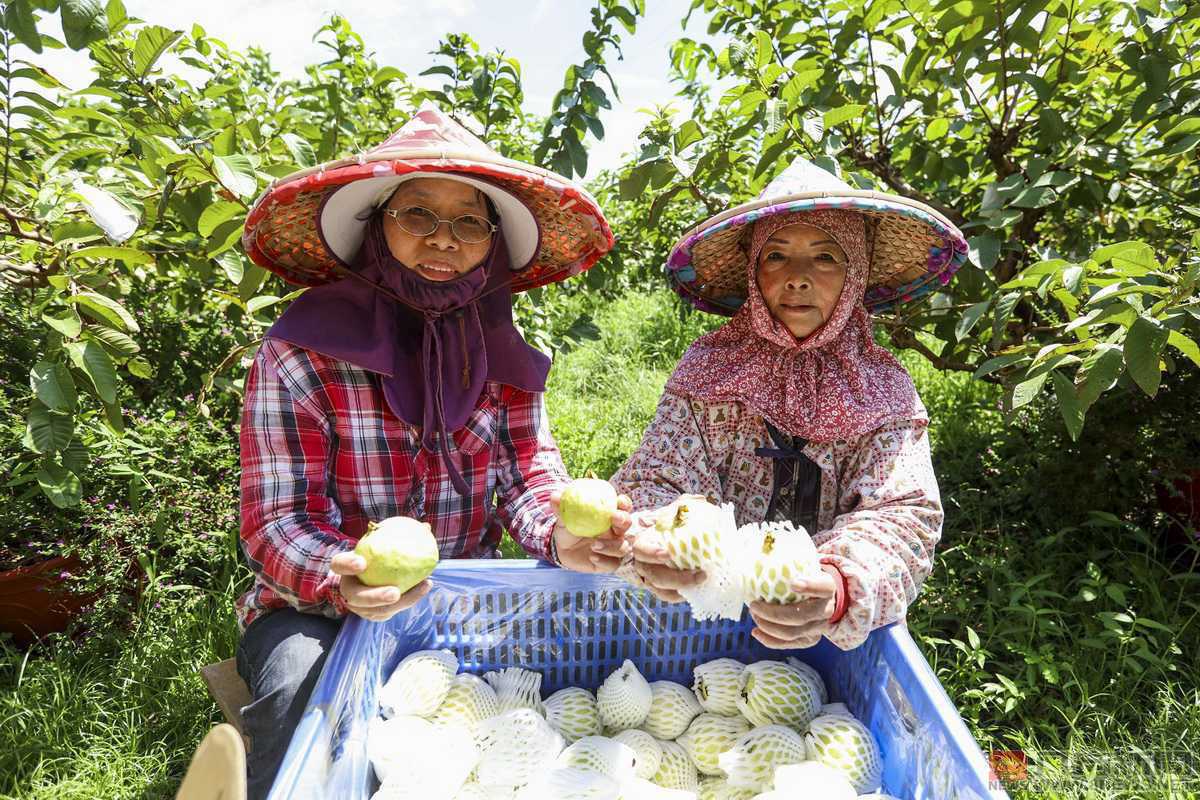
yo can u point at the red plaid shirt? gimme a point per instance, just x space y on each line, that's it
322 455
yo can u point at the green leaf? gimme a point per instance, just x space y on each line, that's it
112 416
232 265
106 309
302 152
985 250
152 42
764 50
83 22
115 341
969 318
1184 345
60 484
1185 127
53 385
252 280
115 14
1068 404
1120 313
1133 257
226 235
67 322
129 255
236 174
798 83
1072 279
837 116
688 133
18 18
140 367
385 74
257 304
215 214
50 431
1143 345
937 128
1004 309
97 365
999 362
1025 391
1097 373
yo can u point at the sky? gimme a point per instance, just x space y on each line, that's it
543 35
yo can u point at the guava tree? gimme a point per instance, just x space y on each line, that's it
1060 135
122 205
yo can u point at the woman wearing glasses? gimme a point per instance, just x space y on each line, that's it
398 385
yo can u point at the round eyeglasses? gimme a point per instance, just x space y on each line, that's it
468 229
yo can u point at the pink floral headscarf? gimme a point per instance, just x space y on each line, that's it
834 384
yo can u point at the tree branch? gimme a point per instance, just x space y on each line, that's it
880 165
15 220
905 339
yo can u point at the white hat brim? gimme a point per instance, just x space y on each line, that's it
342 224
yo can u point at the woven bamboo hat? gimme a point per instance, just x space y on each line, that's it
913 248
308 227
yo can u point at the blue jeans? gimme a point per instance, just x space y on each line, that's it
280 657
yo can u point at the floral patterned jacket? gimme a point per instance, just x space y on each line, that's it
871 503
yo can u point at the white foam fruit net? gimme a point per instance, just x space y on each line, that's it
600 754
646 750
471 791
419 683
716 685
708 736
469 702
571 783
815 779
810 672
517 688
514 747
719 789
411 754
572 712
623 700
700 535
642 789
846 745
676 770
773 557
772 692
751 762
672 708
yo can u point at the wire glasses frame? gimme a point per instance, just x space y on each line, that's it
420 221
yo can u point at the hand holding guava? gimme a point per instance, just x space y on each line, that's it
593 519
386 573
376 603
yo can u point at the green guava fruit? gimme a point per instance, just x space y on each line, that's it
587 506
399 552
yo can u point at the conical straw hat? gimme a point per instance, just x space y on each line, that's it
914 249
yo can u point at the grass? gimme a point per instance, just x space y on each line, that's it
1073 642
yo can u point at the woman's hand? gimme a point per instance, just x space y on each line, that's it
653 565
601 554
376 603
798 625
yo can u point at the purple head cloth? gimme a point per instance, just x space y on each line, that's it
432 344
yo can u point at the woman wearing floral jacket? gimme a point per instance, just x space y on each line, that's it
791 412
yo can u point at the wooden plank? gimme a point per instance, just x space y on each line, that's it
228 689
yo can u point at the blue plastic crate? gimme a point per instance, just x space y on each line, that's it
576 629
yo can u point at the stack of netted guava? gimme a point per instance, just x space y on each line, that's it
758 561
764 730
